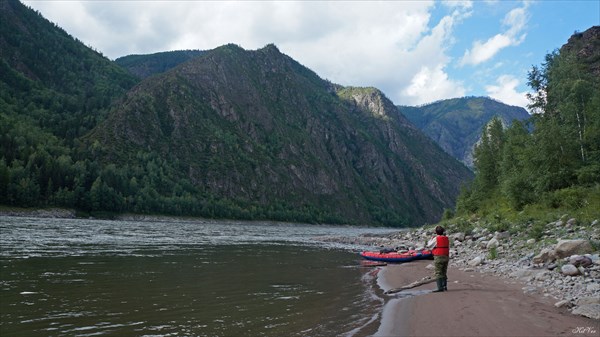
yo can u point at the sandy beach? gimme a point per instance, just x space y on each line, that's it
476 304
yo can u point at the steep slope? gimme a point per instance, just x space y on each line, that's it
53 89
148 65
47 75
260 130
456 124
586 48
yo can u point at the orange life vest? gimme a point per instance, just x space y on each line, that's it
442 246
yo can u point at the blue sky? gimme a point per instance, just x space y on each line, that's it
416 52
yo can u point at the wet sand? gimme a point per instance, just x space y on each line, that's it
475 305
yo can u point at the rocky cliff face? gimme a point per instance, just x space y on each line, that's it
587 48
258 128
456 124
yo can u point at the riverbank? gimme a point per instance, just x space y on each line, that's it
506 283
476 304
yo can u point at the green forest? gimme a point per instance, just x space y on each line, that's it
53 91
550 165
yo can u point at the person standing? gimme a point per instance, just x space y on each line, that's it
441 257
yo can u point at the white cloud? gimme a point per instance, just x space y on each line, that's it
430 85
462 4
392 45
515 22
428 80
505 91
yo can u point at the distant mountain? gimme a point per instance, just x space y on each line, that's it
456 124
151 64
258 128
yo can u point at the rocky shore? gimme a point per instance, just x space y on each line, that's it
561 264
60 213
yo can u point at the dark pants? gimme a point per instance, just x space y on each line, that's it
441 266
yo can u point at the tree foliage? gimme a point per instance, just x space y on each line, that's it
563 150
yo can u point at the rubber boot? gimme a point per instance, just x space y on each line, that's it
445 283
440 286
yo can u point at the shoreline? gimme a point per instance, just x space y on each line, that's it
476 304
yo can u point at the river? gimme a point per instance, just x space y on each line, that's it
73 277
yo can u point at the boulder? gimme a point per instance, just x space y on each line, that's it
563 303
493 243
566 248
589 310
476 261
578 260
588 300
569 269
546 255
502 235
458 237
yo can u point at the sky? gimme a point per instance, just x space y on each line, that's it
416 52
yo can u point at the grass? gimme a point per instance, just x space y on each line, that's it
493 253
495 214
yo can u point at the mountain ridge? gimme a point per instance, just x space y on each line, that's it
145 65
265 97
456 124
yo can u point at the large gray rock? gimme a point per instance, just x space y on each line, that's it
566 248
546 255
458 237
493 243
589 310
502 235
578 260
476 261
588 300
569 269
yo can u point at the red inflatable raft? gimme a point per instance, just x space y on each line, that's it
408 256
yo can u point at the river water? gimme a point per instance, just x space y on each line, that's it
72 277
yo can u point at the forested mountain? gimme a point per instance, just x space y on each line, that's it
456 124
227 134
256 128
148 65
557 165
53 90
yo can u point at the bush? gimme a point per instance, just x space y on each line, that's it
536 231
501 226
448 214
463 226
589 175
570 198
